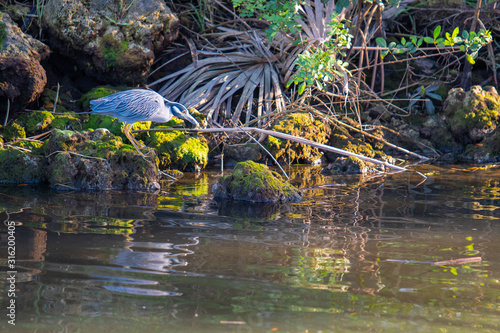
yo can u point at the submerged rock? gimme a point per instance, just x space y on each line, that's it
254 182
23 77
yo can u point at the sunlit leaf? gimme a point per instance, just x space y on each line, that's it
302 87
436 32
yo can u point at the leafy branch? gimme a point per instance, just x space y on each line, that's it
468 42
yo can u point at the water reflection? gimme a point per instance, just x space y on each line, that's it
179 262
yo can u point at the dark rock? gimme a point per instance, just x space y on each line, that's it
255 183
113 41
351 165
22 78
241 152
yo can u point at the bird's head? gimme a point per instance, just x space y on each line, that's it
181 112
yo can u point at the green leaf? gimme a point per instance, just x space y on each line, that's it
429 106
419 42
392 45
448 36
384 53
462 48
458 40
428 40
470 59
289 83
434 96
403 40
465 34
455 33
437 31
302 87
319 85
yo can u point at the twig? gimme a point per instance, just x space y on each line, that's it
282 136
267 151
57 97
7 113
18 148
76 154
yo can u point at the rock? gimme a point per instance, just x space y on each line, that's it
96 160
176 150
474 114
28 167
351 165
303 125
113 41
254 182
241 152
23 77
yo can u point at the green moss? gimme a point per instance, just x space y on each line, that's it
96 93
13 131
3 33
174 149
354 145
251 181
27 168
112 50
482 112
63 122
35 121
302 125
99 121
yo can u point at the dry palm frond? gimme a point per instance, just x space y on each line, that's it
219 80
242 78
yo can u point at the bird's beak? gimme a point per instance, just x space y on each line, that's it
191 119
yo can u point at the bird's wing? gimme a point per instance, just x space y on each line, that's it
129 106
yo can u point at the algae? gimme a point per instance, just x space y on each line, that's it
302 125
175 149
254 182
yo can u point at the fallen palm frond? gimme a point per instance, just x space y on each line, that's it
286 137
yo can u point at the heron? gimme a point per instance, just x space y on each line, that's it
134 105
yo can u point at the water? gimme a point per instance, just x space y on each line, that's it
178 262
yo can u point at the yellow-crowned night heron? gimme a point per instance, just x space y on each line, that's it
135 105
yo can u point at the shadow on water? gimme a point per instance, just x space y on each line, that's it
179 262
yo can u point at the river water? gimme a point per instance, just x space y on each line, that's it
358 254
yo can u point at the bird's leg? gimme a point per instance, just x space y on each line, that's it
126 131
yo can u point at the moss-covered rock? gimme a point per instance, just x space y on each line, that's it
19 166
35 122
302 125
474 113
12 132
176 150
96 160
254 182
